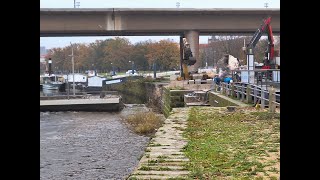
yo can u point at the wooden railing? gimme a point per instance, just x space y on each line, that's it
252 94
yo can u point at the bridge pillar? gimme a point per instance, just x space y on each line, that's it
193 39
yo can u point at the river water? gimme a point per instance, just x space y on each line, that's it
88 145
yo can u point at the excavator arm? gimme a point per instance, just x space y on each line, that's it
264 28
188 58
270 49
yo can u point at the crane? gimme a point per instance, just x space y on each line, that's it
269 54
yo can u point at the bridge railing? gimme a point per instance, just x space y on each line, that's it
249 93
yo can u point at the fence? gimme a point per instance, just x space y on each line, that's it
262 77
249 93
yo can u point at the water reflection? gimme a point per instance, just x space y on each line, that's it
53 92
49 92
126 98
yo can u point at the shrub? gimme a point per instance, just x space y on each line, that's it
144 122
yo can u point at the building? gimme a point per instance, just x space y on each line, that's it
42 58
78 78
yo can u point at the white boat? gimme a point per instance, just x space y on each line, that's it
51 82
52 85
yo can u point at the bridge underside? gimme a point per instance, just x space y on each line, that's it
146 22
145 33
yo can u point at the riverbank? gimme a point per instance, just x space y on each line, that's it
216 144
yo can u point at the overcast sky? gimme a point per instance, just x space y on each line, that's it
50 42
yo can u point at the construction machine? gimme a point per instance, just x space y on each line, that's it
269 53
188 59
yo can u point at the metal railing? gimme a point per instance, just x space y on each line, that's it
249 93
262 77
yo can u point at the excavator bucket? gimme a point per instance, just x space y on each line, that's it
190 61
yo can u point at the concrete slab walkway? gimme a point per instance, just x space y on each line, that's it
164 158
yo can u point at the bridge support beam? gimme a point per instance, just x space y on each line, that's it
193 39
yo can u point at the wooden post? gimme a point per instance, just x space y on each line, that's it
222 88
249 96
255 94
262 99
227 89
272 97
242 93
233 94
238 93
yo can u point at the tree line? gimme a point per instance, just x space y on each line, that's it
116 54
119 54
233 45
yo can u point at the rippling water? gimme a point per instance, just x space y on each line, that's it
88 145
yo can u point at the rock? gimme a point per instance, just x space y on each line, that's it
231 108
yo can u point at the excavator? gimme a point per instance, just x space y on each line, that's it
188 59
269 53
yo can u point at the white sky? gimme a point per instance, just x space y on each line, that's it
50 42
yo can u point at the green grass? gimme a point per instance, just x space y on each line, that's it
159 79
273 169
132 178
177 88
152 161
224 145
164 169
148 150
154 145
162 157
145 168
266 115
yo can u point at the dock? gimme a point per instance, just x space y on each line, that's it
108 105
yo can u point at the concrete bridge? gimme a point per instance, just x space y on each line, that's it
189 23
